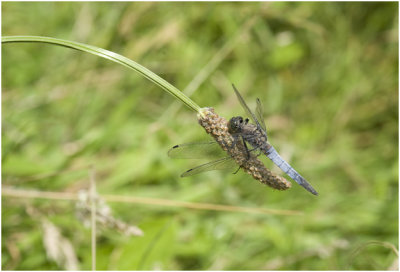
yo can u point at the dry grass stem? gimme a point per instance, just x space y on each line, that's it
93 195
12 192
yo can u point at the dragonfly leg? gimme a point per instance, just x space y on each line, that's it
258 153
245 147
237 170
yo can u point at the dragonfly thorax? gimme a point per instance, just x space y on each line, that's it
235 124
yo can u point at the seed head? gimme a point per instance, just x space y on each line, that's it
217 127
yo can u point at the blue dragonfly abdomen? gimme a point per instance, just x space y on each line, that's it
274 156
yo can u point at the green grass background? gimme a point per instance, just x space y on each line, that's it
327 74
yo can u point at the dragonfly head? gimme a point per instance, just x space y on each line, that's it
236 124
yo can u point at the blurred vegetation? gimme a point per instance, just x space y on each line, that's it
327 74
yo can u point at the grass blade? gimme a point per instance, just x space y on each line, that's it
113 57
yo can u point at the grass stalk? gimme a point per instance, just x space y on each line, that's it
7 191
169 88
93 215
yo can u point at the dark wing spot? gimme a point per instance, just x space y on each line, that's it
186 173
175 146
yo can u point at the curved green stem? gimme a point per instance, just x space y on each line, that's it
113 57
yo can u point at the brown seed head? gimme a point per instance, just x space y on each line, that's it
217 127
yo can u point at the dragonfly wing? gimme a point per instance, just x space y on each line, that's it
285 167
246 108
224 163
196 150
260 115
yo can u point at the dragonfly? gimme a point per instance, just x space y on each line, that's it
253 134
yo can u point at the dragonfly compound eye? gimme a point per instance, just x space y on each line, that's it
235 124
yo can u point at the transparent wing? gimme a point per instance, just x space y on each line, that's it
224 163
196 150
260 114
246 108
